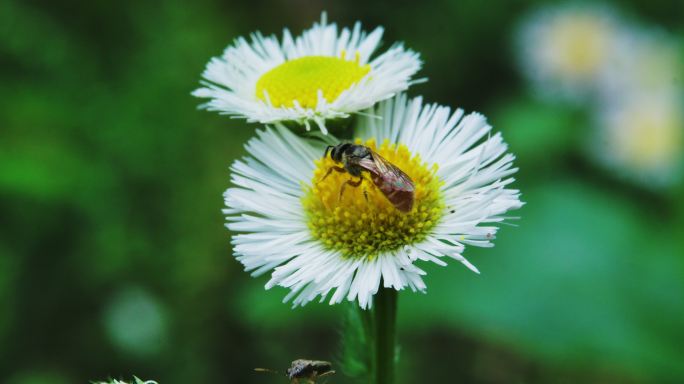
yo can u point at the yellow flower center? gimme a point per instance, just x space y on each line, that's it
301 79
362 228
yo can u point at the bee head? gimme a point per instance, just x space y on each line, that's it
290 373
337 151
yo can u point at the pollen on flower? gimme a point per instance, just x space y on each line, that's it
362 228
301 79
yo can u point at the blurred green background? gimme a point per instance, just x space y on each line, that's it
113 256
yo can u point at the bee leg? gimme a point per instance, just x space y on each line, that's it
338 169
351 183
324 374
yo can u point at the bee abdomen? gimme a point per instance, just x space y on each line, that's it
401 199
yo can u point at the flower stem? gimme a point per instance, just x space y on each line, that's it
384 324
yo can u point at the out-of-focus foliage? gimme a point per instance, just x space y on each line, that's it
113 255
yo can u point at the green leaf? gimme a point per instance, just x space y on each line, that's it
355 358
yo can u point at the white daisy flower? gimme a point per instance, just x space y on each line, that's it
292 221
565 50
321 75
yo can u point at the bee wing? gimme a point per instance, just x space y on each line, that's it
379 166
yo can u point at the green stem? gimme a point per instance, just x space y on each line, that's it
384 324
366 317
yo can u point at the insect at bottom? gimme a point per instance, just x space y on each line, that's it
305 371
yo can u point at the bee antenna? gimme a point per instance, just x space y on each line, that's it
266 370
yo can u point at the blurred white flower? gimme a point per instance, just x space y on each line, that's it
646 62
642 137
630 76
322 74
292 220
640 111
565 49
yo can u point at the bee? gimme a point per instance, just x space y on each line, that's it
307 370
396 185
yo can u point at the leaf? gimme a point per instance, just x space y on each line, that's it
355 355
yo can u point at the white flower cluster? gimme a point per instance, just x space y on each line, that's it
629 75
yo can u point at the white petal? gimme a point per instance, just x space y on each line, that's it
230 80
